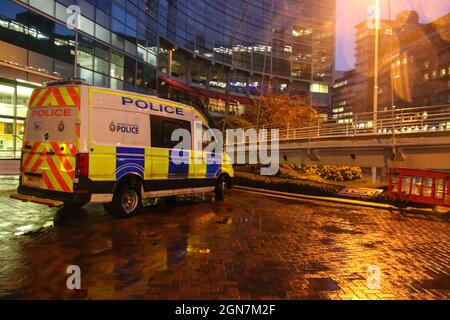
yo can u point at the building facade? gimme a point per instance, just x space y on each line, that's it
414 65
222 51
342 96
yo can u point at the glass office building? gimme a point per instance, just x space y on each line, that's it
222 51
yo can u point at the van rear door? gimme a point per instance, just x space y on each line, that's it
51 139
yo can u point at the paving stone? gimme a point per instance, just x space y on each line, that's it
247 247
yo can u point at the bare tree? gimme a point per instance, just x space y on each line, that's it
274 109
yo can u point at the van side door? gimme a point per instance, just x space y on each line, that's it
212 158
170 157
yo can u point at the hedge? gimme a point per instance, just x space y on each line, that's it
286 185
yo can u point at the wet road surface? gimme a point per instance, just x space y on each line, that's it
247 247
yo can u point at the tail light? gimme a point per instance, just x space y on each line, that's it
82 165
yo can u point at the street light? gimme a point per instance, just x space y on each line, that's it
171 50
375 71
375 79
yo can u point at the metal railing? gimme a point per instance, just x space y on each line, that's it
10 146
396 122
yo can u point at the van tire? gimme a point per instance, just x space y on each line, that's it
221 188
127 201
108 207
70 206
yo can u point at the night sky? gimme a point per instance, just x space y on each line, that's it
351 12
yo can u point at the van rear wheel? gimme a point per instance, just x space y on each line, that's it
71 206
127 201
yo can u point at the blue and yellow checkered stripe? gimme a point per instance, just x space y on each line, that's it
129 160
112 163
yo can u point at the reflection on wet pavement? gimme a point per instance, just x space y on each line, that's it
243 248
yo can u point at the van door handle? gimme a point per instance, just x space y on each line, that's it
51 153
27 147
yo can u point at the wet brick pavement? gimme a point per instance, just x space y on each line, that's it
247 247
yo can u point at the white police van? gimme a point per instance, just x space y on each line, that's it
87 144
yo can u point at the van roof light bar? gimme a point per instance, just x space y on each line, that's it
67 81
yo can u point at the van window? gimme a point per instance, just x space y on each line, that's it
162 129
204 142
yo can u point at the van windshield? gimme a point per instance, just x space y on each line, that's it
53 124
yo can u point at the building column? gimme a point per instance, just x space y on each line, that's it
374 174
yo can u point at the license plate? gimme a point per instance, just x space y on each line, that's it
33 181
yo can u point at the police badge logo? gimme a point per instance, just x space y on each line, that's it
61 126
112 126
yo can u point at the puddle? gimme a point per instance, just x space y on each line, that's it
323 284
439 282
37 232
327 241
337 230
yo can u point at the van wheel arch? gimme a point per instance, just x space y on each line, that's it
129 179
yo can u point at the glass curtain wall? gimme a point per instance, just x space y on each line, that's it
14 98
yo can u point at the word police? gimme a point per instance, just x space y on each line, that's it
123 128
142 104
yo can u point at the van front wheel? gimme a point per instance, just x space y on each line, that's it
221 188
127 201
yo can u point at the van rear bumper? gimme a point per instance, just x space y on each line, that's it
55 195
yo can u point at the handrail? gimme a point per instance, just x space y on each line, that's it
396 122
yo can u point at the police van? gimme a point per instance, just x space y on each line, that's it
87 144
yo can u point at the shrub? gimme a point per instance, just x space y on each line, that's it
286 184
340 173
311 172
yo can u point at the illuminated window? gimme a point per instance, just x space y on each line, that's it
87 25
45 6
117 64
217 105
102 33
7 100
85 59
23 97
319 88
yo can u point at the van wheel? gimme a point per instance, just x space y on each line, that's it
171 200
221 188
127 201
70 206
108 207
